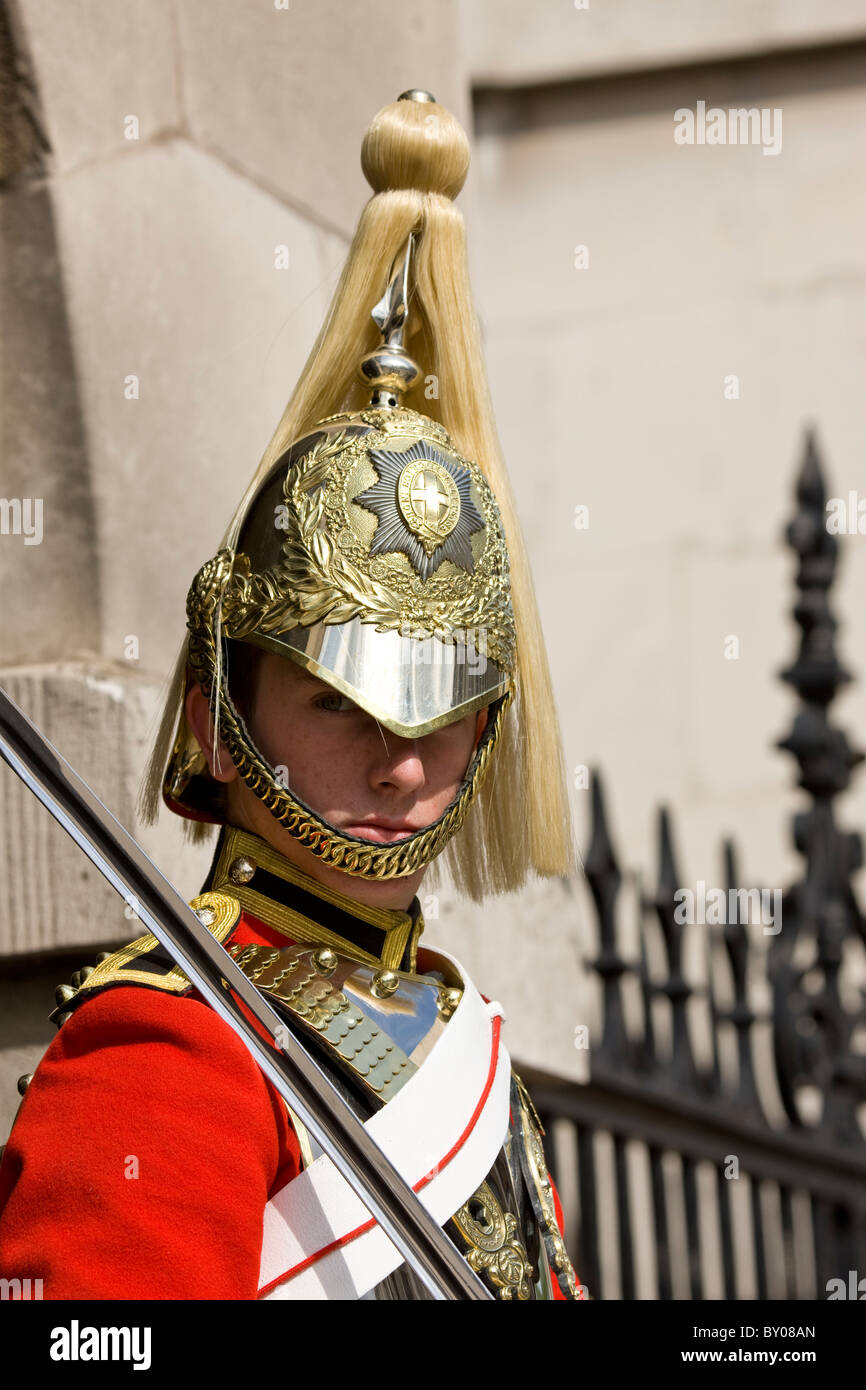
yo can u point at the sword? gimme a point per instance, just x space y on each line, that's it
292 1071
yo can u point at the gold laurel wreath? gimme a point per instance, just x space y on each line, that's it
320 581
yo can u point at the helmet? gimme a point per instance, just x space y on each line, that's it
371 549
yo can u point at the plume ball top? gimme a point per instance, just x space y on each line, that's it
415 144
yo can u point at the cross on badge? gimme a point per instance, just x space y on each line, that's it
427 491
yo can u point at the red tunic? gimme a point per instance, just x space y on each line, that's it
146 1148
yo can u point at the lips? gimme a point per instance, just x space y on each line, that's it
381 831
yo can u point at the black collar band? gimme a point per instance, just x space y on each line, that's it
272 888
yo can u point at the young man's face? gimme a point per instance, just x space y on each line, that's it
353 772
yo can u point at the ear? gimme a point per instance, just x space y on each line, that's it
480 725
199 719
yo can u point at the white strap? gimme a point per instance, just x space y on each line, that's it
417 1129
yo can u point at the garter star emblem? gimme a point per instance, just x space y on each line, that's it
424 507
429 501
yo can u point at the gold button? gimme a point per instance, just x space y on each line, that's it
447 1001
242 869
385 983
325 960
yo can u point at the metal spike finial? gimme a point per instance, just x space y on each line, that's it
813 1032
735 937
676 987
388 368
391 312
648 1054
604 878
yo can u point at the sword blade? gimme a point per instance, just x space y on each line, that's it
292 1071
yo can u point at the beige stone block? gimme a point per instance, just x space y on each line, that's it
97 717
670 227
96 64
170 260
512 42
614 662
629 424
285 94
48 569
734 639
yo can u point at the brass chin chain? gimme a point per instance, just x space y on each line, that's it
352 855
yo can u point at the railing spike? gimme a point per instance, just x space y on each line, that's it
604 878
738 947
676 987
822 907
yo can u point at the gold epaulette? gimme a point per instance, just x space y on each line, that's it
144 961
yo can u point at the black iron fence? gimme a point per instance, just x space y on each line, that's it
742 1172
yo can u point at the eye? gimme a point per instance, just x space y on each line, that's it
334 702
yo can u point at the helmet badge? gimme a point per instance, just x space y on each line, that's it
424 507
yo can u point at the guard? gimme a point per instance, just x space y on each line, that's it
363 688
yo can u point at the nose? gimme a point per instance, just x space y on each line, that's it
399 764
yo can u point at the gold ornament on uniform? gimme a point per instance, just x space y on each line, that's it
242 870
531 1131
385 983
325 960
494 1249
447 1000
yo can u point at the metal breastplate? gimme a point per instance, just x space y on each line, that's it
370 1031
